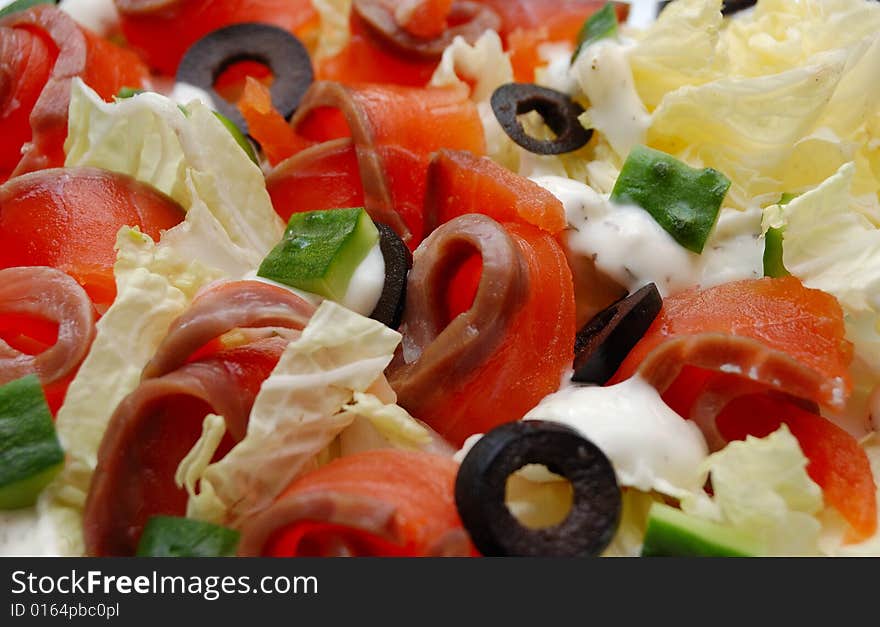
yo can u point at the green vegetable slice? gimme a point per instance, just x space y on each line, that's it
320 251
30 454
683 200
671 532
21 5
173 536
773 264
237 135
601 24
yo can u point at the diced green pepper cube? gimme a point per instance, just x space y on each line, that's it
173 536
321 250
683 200
21 5
671 532
30 454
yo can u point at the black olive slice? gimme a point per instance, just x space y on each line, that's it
559 111
274 47
728 7
482 480
398 261
604 342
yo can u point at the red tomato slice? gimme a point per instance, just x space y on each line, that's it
836 461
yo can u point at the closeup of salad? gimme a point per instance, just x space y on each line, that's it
439 278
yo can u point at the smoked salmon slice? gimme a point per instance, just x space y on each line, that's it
394 132
773 332
461 182
494 362
68 50
154 428
377 503
68 218
163 31
529 24
836 461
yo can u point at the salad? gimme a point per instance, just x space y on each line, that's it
439 278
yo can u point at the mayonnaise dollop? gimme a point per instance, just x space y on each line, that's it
628 245
650 446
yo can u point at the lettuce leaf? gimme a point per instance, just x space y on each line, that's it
484 66
831 244
761 486
630 536
676 50
154 286
192 158
299 411
334 31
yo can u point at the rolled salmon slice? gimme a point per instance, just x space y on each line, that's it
774 332
377 503
68 218
70 50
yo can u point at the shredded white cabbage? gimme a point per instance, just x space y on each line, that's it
193 158
312 395
761 486
154 286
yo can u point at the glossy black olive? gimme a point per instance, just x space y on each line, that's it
728 7
559 111
482 480
274 47
398 262
604 342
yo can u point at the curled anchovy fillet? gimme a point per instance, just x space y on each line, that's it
49 115
127 476
760 368
360 512
240 304
377 191
145 7
52 295
434 351
471 20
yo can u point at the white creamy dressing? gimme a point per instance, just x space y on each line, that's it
363 292
632 248
650 446
603 74
100 16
